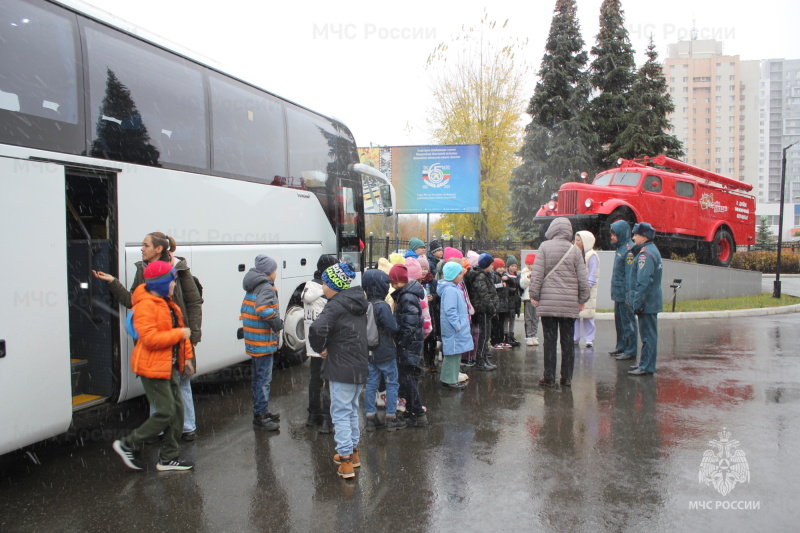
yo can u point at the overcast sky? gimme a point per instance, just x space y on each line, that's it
364 62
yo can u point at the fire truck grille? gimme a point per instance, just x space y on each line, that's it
568 203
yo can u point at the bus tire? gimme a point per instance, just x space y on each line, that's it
293 350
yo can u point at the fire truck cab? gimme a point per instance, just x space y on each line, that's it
693 210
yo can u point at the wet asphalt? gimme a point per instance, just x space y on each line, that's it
612 453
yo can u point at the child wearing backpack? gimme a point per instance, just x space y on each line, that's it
382 360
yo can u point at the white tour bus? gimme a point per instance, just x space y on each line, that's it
108 134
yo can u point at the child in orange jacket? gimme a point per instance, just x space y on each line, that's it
158 358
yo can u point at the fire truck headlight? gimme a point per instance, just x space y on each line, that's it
551 205
588 203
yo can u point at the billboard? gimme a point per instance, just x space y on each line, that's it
431 178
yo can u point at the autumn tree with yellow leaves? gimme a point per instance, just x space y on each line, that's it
478 82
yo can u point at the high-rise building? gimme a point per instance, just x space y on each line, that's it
779 126
716 100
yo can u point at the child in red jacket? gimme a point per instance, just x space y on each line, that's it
158 358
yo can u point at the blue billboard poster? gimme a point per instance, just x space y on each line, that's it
437 179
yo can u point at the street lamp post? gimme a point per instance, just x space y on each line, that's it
776 289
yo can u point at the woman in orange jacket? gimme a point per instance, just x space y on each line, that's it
162 349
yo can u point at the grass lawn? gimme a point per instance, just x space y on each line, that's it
727 304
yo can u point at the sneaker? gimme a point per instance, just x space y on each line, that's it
535 341
462 377
129 455
165 465
380 399
395 423
529 341
275 417
498 346
470 363
265 422
373 423
353 458
590 345
188 436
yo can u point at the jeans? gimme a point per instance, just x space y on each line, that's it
165 396
262 378
387 370
409 389
484 322
344 412
189 420
319 396
552 326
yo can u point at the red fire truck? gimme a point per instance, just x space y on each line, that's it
693 210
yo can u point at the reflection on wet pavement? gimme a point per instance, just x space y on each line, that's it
612 453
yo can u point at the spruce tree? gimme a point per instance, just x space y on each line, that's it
612 74
647 132
558 142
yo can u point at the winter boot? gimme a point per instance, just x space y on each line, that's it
354 458
345 466
265 422
373 423
512 341
326 426
393 423
314 419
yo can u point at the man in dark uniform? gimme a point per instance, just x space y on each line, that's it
624 319
646 301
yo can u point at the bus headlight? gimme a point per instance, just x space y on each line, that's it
551 205
588 203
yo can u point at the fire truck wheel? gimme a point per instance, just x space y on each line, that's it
722 248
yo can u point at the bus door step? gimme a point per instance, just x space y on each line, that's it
82 401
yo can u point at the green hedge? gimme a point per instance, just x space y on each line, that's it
767 262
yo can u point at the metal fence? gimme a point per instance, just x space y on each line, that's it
377 247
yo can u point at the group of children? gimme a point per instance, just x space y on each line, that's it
420 303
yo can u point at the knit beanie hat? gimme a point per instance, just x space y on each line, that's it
530 258
435 246
415 243
423 262
157 277
397 259
413 268
399 273
265 264
450 253
451 270
472 258
339 276
485 260
325 261
511 260
498 263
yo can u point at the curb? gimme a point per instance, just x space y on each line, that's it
763 311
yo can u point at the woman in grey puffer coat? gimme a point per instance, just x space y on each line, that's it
558 290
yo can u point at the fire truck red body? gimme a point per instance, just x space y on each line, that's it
693 210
